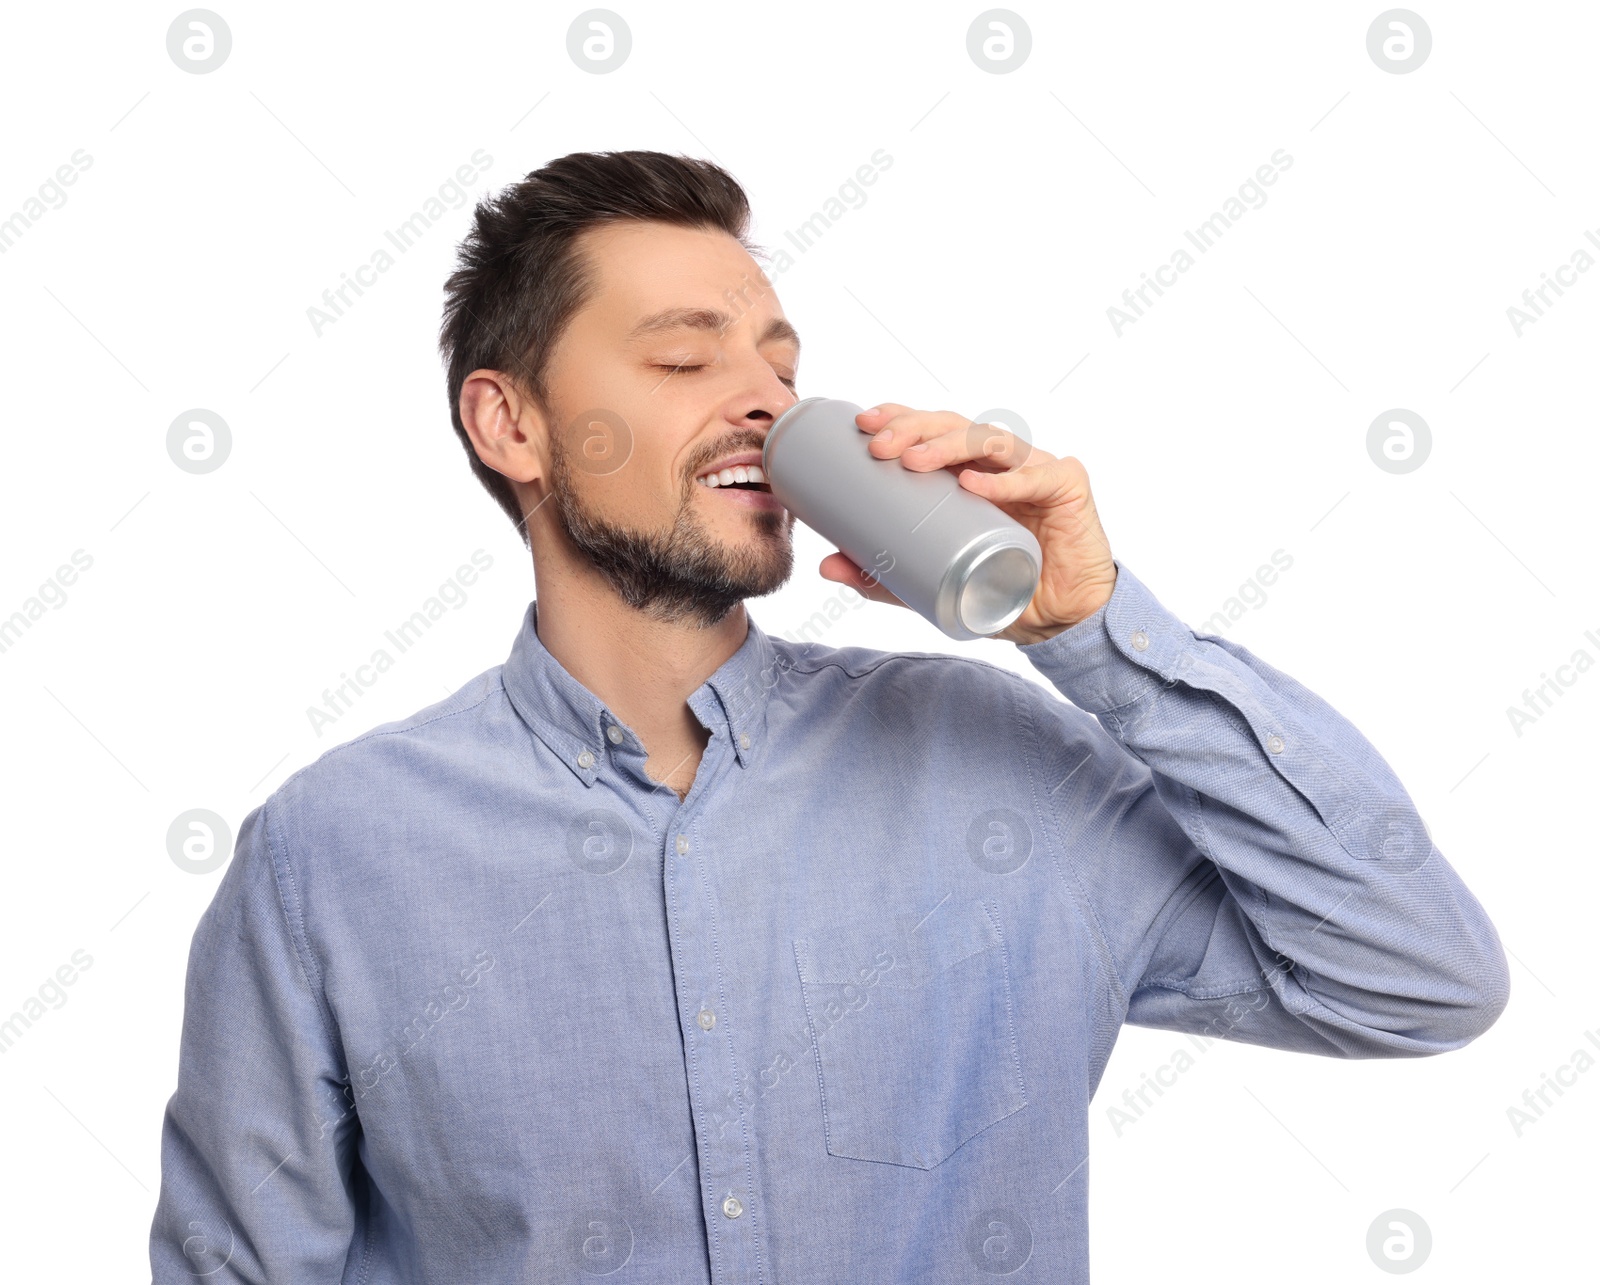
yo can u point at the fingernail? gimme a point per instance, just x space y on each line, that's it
883 435
920 446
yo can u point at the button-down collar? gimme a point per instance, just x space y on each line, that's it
573 721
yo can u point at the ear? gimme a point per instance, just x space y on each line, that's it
507 429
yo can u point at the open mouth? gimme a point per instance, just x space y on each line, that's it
741 477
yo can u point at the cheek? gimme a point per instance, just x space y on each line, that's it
600 444
640 489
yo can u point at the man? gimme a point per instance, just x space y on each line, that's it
675 950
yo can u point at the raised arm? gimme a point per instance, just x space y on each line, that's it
1255 868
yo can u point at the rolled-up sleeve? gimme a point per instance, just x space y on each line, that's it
259 1180
1253 867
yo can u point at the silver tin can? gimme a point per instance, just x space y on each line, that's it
953 557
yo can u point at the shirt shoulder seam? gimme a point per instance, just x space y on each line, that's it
404 729
876 662
289 906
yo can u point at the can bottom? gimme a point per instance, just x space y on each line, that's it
997 589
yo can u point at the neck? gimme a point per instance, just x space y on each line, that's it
643 668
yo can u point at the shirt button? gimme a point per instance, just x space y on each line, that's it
614 734
683 844
586 759
707 1019
744 740
1275 743
732 1207
1140 640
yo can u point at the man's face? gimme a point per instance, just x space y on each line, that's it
681 358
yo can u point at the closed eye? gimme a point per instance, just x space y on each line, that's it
673 369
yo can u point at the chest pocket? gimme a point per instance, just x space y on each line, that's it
913 1032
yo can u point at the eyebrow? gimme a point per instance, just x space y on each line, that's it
713 319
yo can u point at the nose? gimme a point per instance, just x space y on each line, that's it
766 410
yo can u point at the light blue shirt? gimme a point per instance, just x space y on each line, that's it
478 1001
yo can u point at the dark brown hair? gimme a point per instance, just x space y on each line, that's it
520 277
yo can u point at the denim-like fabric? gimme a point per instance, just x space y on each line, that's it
477 1001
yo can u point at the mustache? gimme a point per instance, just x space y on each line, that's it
732 446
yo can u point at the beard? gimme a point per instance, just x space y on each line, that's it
683 573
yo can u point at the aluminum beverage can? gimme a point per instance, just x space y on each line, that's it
953 557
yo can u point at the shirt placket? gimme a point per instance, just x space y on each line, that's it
735 1220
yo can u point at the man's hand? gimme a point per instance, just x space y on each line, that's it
1047 495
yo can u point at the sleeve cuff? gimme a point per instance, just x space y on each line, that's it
1129 649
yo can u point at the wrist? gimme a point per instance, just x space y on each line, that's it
1090 608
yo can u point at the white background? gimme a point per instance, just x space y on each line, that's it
1228 422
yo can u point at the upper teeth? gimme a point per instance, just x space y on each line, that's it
738 473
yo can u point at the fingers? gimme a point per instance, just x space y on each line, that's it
927 440
1045 484
882 409
899 426
839 567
